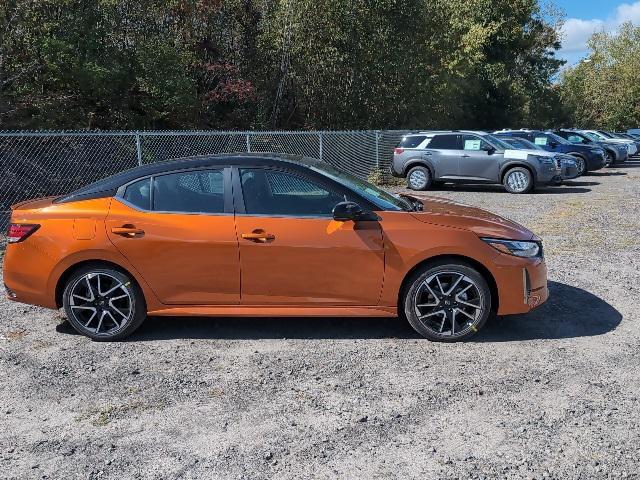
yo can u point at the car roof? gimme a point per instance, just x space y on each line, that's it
429 133
111 184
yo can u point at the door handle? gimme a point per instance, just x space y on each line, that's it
259 236
466 156
128 231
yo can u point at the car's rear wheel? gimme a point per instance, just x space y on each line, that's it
518 180
419 178
103 304
581 165
447 301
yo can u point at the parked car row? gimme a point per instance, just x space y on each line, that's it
518 159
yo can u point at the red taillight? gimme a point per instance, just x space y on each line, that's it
398 150
17 232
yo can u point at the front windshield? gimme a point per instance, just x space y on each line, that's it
605 134
527 145
497 142
558 138
375 195
592 136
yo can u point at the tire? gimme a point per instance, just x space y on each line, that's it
609 158
581 164
419 178
103 304
518 180
452 317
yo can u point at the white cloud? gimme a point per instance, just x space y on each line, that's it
576 31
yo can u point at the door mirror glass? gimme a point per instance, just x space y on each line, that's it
346 211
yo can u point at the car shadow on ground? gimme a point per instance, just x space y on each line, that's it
601 173
570 312
568 187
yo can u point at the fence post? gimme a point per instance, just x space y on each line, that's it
248 144
377 134
320 144
138 148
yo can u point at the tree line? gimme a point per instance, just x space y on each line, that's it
281 64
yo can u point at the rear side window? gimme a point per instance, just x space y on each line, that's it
411 141
189 192
448 142
138 194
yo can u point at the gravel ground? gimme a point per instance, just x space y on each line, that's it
552 394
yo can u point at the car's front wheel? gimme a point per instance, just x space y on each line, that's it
103 304
581 164
447 301
609 158
419 178
518 180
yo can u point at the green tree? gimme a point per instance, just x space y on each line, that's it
602 91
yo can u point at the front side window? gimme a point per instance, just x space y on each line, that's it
475 143
541 140
199 191
273 192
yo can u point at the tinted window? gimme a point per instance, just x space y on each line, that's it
139 194
192 192
272 192
412 141
449 142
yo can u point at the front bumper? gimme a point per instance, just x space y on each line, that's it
522 283
569 171
596 162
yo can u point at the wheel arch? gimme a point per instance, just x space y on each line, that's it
418 162
510 165
62 280
471 262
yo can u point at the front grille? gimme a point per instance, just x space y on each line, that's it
558 162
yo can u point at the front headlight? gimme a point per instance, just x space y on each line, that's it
544 160
518 248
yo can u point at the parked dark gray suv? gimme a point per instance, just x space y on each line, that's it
471 157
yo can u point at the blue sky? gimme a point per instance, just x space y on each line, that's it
585 17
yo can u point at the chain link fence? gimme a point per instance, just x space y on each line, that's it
38 164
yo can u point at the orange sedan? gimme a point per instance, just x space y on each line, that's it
266 235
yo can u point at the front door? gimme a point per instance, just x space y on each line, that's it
292 252
476 162
178 231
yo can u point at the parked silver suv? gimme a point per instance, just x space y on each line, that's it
471 157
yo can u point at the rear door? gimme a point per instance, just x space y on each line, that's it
178 230
443 152
292 252
476 162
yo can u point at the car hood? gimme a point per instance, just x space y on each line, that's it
522 154
440 211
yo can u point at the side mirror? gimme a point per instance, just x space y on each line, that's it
489 149
346 211
553 144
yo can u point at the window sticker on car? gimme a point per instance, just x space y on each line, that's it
472 144
540 140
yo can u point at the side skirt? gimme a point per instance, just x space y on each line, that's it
274 311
